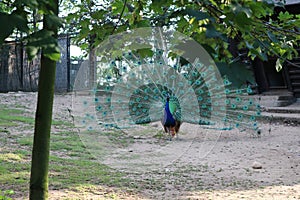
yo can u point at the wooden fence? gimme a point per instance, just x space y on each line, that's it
19 74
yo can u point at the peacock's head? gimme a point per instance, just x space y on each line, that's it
168 97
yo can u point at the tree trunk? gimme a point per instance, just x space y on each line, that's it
92 68
43 119
41 143
92 62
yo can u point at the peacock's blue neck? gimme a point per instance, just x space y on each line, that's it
169 117
167 108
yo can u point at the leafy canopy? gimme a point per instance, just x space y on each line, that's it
253 26
213 23
22 19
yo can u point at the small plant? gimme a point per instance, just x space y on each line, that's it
4 195
159 135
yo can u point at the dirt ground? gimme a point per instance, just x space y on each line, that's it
201 163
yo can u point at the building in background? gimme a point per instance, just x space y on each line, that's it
285 85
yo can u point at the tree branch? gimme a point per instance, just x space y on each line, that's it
277 55
120 17
286 31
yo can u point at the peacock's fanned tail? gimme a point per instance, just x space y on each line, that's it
131 90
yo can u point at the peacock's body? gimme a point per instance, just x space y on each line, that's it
169 120
162 76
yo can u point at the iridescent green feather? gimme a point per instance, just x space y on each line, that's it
131 90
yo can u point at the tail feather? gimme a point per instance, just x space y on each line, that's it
136 94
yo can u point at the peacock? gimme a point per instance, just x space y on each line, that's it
152 75
170 122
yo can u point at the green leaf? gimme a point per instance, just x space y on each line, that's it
211 32
23 3
209 49
9 192
272 37
53 21
278 65
47 7
40 38
263 56
284 16
117 7
99 14
53 56
158 6
11 21
52 51
145 52
199 15
29 3
238 8
6 27
243 21
143 23
44 40
236 72
248 45
20 20
32 52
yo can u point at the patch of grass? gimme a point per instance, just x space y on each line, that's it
3 130
117 138
9 111
19 106
4 135
69 144
14 171
64 173
27 140
70 173
71 167
16 178
65 144
9 117
67 171
3 169
7 123
5 194
61 122
23 119
160 135
10 157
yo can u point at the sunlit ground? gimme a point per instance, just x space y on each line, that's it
224 173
